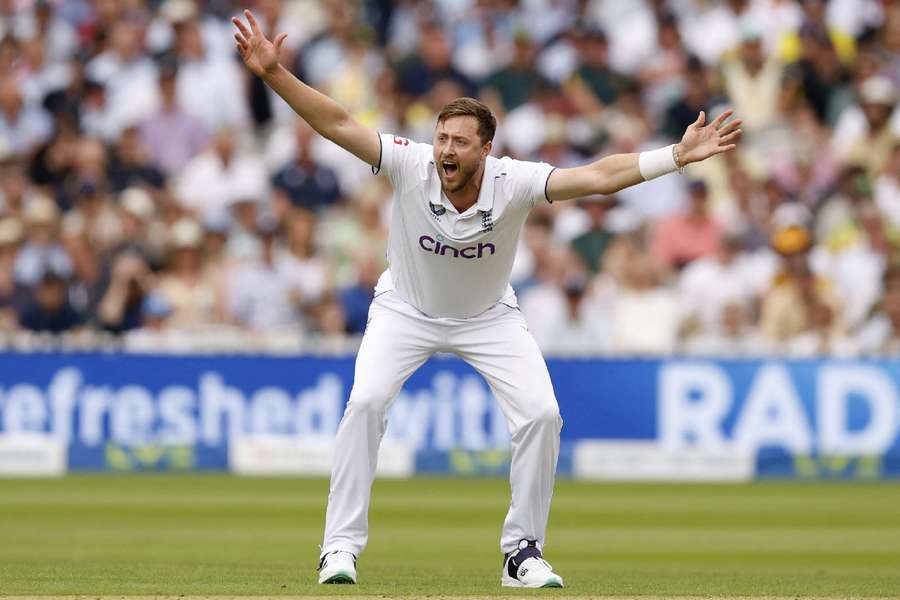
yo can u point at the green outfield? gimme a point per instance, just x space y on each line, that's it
218 535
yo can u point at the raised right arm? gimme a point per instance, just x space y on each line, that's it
323 114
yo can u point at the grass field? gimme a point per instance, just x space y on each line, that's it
218 535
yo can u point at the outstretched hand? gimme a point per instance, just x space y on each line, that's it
259 54
701 142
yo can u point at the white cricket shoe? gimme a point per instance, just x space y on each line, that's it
525 567
337 567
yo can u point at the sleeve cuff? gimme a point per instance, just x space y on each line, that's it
377 169
546 183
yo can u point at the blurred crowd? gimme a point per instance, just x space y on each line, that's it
154 195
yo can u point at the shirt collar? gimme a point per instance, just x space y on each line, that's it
485 201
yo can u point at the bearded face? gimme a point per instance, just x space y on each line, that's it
458 151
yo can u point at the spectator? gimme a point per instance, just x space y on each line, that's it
243 239
322 55
65 98
96 115
155 312
746 210
881 333
662 75
93 214
788 304
418 72
516 82
47 307
136 212
356 231
594 85
156 333
131 165
10 291
207 83
89 231
23 127
537 240
729 277
42 75
110 157
645 313
86 171
813 21
865 135
46 24
352 83
855 246
585 327
822 336
632 30
260 297
485 43
120 308
302 267
41 245
711 33
546 301
172 136
212 20
836 224
681 238
331 322
185 285
221 174
590 245
14 185
753 83
822 78
697 96
735 335
627 121
355 299
306 183
274 17
526 128
805 167
127 75
887 189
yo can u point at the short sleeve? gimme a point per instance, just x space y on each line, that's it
529 181
401 159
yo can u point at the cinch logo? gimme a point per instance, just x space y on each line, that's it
429 244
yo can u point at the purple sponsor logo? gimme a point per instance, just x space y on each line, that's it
435 246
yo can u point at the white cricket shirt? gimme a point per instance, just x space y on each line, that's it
448 264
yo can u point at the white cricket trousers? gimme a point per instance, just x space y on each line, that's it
497 344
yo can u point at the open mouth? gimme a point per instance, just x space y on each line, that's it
450 168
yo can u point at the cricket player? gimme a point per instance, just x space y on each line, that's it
456 219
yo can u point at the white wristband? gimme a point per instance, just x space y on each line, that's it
654 163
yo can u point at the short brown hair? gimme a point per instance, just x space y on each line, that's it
470 107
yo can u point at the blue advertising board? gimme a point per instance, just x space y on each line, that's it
132 412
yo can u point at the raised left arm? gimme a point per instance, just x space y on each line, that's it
618 171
